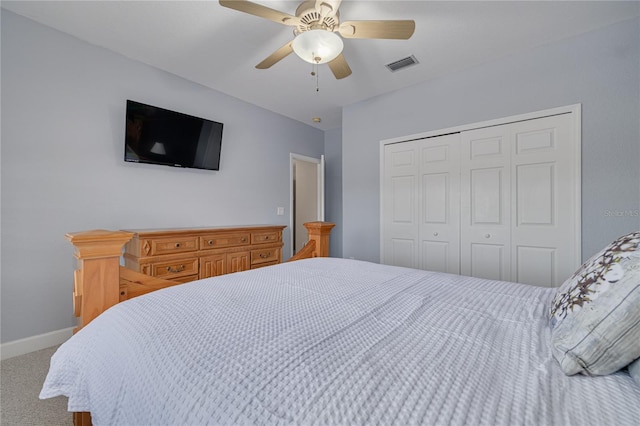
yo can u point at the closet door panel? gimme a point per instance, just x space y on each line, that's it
435 256
487 197
487 261
403 252
545 204
435 197
485 203
535 194
440 203
402 199
400 224
535 264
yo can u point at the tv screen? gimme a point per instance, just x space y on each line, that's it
160 136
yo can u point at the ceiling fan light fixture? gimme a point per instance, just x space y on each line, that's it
317 46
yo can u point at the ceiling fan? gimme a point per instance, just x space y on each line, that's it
316 26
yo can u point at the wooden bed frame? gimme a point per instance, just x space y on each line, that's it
100 282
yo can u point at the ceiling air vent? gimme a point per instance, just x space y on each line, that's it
402 63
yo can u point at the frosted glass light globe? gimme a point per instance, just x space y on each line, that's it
317 46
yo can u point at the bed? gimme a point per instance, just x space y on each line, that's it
335 342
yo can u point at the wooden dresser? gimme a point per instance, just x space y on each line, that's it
184 255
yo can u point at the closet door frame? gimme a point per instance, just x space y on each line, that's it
576 113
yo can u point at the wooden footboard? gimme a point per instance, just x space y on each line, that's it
100 282
134 284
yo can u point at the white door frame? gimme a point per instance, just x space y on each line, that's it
320 167
575 109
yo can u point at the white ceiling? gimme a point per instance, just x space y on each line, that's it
219 47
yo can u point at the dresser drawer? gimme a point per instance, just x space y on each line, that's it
174 268
185 279
224 240
187 254
173 245
265 237
262 265
264 255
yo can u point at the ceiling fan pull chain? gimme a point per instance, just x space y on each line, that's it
314 73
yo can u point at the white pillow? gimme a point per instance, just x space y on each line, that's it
634 370
595 315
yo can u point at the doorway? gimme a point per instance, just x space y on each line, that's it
306 196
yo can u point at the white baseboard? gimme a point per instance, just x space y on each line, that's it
34 343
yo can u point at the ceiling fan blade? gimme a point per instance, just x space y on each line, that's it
400 30
261 11
276 56
339 67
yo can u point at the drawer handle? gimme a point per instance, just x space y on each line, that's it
265 256
243 239
210 242
177 245
487 235
266 237
176 270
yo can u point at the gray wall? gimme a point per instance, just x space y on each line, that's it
62 169
600 70
333 188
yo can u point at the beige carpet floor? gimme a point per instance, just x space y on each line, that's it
21 379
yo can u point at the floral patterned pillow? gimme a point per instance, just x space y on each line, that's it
595 315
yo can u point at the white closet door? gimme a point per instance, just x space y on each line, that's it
500 201
485 204
519 201
440 203
544 201
400 225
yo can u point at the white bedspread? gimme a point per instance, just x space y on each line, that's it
335 342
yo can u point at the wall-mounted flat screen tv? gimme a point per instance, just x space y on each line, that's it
160 136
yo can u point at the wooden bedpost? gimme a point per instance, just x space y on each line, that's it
318 244
98 253
319 232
